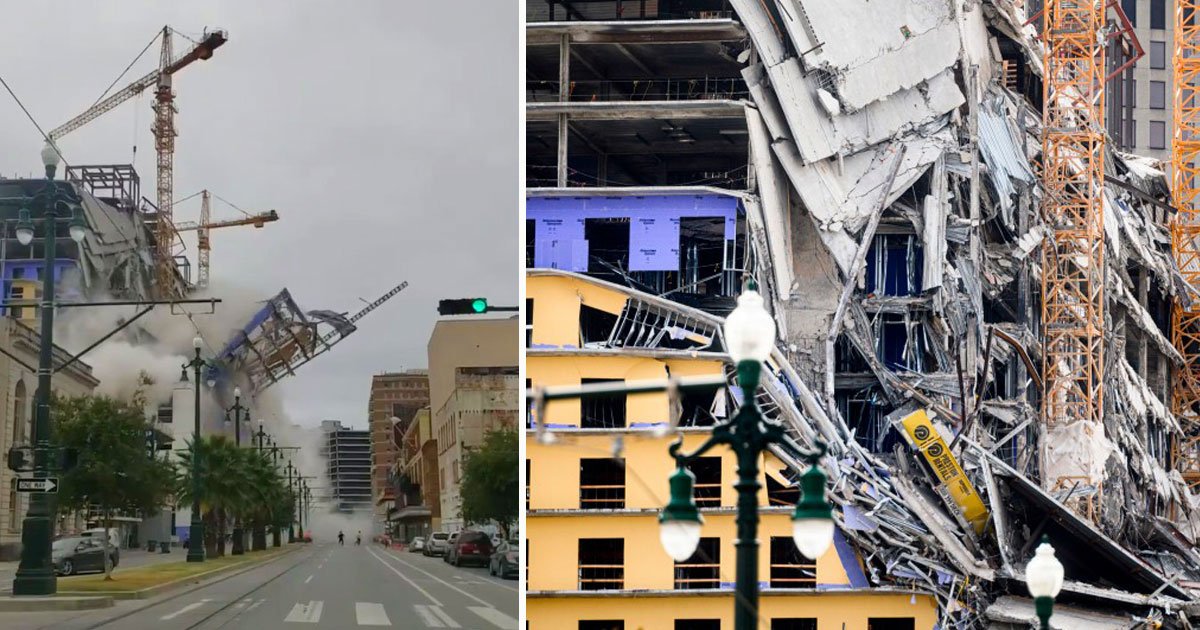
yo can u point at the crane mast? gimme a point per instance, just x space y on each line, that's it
164 146
203 246
1185 227
1073 142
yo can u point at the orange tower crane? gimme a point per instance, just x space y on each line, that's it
202 227
164 142
1185 228
1073 138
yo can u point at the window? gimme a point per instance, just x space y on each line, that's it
696 409
607 246
602 412
701 254
526 484
1158 134
530 235
1130 8
1158 95
601 564
601 484
894 265
166 413
595 325
703 569
1158 55
707 490
14 511
697 624
891 623
789 569
1158 14
794 623
779 494
900 342
528 322
615 624
529 419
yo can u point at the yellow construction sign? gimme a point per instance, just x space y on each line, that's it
924 437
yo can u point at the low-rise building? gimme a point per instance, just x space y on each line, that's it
418 510
395 399
18 385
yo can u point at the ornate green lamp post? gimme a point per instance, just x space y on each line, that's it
239 411
749 338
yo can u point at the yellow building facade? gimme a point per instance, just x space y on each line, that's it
593 557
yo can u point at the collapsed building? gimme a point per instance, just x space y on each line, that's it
876 169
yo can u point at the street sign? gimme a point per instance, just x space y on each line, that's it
49 484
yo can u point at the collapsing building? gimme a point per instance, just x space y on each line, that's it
875 167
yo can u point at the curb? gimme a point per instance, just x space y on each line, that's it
147 593
53 603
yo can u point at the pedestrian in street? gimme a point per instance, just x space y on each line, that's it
341 539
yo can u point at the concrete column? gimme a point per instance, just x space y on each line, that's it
564 95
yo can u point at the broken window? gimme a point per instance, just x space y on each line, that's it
789 569
794 623
643 325
595 326
847 359
602 412
601 564
900 342
601 484
608 247
779 494
703 569
1157 444
707 490
702 251
894 264
696 409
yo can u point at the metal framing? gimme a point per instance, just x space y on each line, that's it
1185 227
164 145
1073 140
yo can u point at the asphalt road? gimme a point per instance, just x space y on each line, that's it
324 586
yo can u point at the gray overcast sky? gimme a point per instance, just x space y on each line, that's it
384 132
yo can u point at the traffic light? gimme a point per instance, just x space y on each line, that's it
467 306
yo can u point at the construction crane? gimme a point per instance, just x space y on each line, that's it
164 141
1073 143
202 228
1185 228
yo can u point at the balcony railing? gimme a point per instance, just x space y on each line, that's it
602 497
697 575
601 577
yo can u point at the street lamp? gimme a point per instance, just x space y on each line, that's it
196 531
275 534
239 545
1044 577
258 539
35 574
292 513
749 338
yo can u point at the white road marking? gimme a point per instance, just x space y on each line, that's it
306 613
254 605
450 623
427 616
405 578
185 609
371 614
497 618
308 579
412 566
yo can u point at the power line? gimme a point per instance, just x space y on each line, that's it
32 120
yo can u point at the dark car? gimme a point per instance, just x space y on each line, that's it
471 547
76 554
505 559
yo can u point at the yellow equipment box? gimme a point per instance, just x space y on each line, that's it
922 436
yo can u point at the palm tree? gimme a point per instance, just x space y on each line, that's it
223 485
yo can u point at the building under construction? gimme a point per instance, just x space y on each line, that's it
934 198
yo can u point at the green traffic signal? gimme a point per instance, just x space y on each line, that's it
479 305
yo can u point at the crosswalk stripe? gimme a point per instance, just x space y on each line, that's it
424 613
185 609
306 613
497 618
450 623
255 605
371 614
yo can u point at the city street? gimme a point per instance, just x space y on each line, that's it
327 586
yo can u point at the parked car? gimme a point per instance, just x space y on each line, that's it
436 544
80 553
449 547
470 546
505 559
417 544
